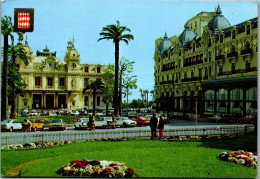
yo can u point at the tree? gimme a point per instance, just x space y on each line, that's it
6 30
125 68
94 86
146 94
115 32
17 87
129 83
108 77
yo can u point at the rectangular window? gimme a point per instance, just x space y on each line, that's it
37 81
50 81
62 82
98 70
86 100
86 69
98 100
86 80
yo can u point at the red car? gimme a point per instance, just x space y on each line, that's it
248 119
140 120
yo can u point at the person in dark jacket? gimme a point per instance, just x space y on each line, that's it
153 125
161 126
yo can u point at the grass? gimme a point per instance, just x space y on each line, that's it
148 158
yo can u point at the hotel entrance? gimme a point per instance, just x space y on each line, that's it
37 101
62 101
49 101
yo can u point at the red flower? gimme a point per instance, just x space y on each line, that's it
113 164
255 153
247 154
130 171
77 163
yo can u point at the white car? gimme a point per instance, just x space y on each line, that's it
125 122
101 122
81 123
11 124
57 124
74 113
33 113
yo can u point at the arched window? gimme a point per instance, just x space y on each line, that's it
192 74
247 46
233 48
233 34
185 75
248 30
221 38
247 66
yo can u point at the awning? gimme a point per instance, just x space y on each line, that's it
162 100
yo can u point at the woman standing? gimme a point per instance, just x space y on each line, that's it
161 126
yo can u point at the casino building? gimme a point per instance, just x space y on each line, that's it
53 83
211 67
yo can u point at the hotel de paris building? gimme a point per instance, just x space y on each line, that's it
211 67
53 83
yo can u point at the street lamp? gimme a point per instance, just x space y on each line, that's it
123 67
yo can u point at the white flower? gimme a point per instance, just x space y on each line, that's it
241 161
67 168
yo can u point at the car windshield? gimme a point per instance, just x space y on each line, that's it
56 121
6 121
249 116
84 119
142 118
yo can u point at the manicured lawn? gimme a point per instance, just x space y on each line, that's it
148 158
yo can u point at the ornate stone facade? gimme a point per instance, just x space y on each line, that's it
212 67
53 83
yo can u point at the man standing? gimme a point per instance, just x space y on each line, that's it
153 125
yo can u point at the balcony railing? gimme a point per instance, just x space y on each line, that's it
167 82
220 57
192 63
169 68
232 54
191 79
246 51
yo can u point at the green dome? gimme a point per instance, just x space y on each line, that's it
165 45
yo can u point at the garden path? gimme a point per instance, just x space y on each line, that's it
16 171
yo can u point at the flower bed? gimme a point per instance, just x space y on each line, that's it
95 168
240 157
34 145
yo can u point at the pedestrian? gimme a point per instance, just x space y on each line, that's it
153 125
90 122
161 126
27 125
114 121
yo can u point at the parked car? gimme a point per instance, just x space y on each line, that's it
62 111
44 113
81 123
140 120
11 125
101 122
37 124
57 124
125 122
33 113
215 118
74 113
251 118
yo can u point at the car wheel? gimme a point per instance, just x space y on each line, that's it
138 124
11 129
124 125
240 122
42 128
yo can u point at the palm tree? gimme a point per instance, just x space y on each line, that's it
6 29
115 32
146 94
94 86
14 52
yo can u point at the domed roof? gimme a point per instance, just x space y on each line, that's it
165 45
72 53
218 22
186 37
26 47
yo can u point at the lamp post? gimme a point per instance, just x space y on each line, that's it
123 67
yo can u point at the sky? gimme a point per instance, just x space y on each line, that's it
58 21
